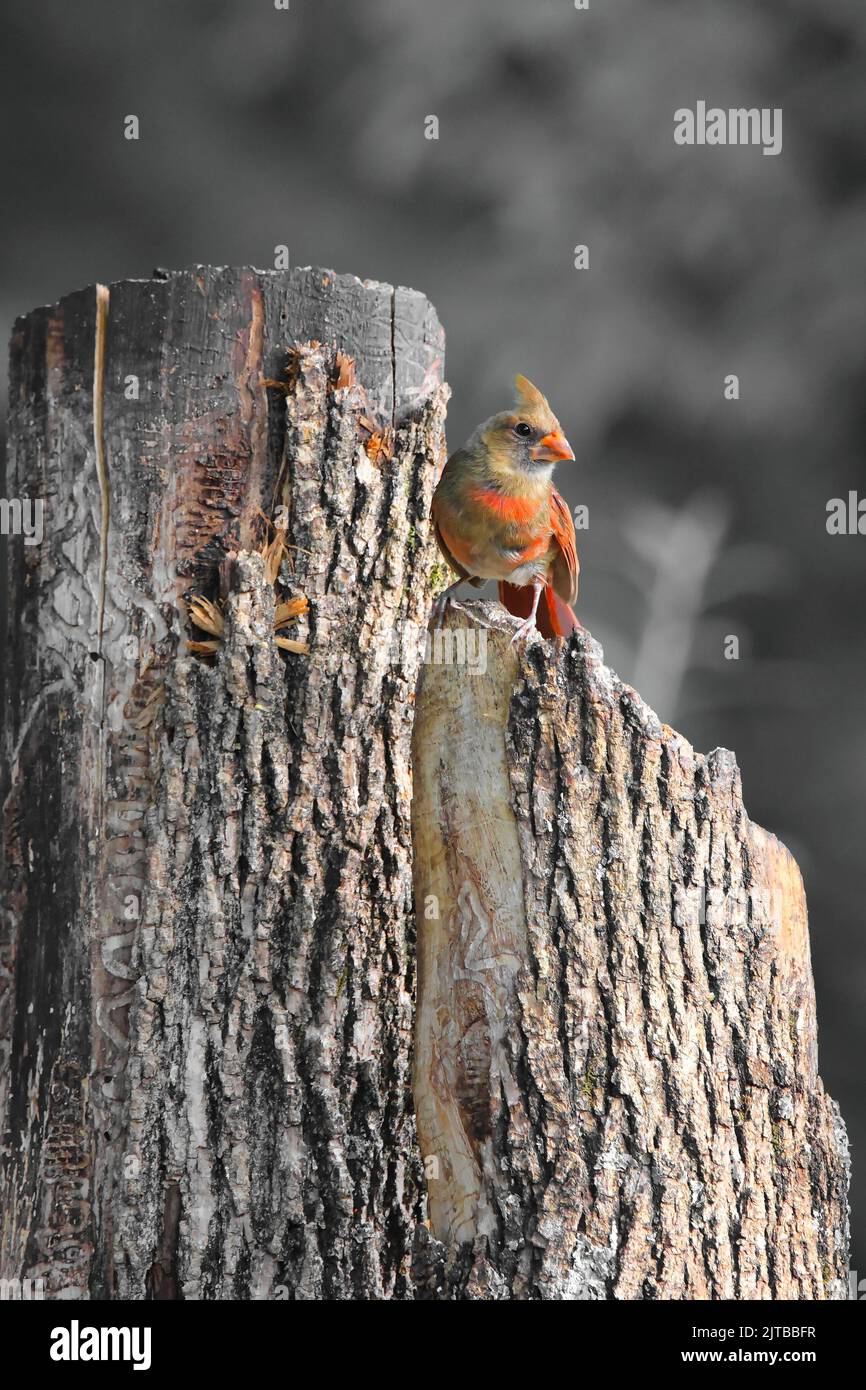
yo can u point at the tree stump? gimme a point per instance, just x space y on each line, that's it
208 945
616 1065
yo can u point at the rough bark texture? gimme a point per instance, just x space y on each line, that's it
616 1064
207 936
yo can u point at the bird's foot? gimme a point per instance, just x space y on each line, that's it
442 604
525 629
438 611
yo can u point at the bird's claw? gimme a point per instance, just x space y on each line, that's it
440 608
525 628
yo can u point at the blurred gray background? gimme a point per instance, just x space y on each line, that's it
707 517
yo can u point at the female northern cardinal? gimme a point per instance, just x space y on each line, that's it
498 516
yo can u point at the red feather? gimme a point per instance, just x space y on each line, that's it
516 510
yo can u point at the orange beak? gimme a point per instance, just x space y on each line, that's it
553 448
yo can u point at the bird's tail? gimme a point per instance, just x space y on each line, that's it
554 617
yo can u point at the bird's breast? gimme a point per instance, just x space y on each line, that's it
504 509
492 531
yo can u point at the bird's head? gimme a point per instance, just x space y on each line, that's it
528 438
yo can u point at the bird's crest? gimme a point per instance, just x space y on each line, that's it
530 402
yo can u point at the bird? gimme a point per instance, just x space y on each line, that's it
497 515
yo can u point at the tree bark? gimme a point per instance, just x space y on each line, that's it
616 1064
207 944
207 947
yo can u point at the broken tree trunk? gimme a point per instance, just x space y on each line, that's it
207 946
207 934
616 1075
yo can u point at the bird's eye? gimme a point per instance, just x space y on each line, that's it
523 429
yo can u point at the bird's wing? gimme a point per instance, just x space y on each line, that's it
440 510
443 546
565 564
